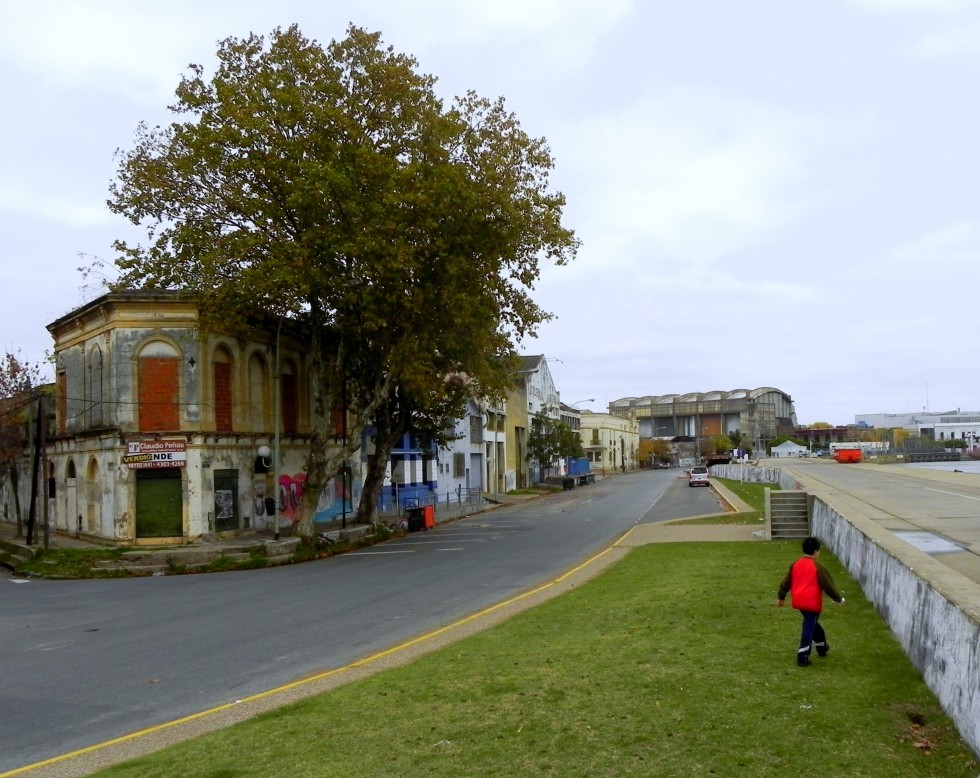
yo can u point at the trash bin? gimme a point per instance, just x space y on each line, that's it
416 521
567 483
429 516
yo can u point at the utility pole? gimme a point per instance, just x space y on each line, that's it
32 514
43 422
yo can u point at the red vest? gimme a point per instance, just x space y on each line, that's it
805 586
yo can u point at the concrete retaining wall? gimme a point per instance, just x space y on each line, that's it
926 604
756 475
933 611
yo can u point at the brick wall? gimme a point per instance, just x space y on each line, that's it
159 391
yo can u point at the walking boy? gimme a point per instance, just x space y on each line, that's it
807 580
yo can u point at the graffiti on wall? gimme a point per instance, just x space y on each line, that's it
334 499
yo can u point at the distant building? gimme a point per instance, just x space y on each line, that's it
760 414
944 426
610 441
822 437
788 450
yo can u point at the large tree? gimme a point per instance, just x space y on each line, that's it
331 187
550 440
18 380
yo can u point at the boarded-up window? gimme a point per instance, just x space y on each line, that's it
158 394
257 392
459 465
287 399
222 397
95 387
62 402
337 421
476 429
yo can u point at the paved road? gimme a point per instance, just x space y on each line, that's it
87 661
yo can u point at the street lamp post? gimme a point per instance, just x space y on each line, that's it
276 415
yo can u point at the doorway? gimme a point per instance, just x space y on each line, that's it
159 503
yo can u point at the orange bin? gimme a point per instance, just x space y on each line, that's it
847 455
429 516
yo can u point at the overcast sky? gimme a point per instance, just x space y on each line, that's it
768 193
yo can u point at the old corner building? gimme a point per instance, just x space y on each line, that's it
159 426
760 414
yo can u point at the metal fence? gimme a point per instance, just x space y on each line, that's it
449 504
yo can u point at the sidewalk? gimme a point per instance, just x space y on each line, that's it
148 558
159 559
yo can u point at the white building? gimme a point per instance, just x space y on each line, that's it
788 450
610 442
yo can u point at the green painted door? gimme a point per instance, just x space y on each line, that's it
159 503
225 500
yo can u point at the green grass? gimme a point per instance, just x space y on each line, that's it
535 491
71 563
675 662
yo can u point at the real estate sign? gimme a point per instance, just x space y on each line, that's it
143 454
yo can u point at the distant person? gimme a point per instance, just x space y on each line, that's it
808 580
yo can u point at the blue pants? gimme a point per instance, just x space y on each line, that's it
812 634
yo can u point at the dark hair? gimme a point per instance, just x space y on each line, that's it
811 546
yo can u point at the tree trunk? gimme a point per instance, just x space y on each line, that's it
317 458
389 425
15 486
375 475
373 484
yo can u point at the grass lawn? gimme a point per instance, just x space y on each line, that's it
674 662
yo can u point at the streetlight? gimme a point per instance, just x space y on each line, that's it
264 463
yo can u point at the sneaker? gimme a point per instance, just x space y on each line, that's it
802 660
823 649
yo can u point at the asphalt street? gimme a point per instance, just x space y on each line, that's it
88 661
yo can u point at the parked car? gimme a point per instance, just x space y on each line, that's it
698 476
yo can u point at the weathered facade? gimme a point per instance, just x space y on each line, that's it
165 433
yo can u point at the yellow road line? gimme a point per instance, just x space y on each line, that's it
314 678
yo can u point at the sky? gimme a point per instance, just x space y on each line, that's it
768 193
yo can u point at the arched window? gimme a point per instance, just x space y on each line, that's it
95 388
257 385
223 417
158 383
287 397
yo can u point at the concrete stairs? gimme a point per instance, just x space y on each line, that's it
159 561
787 515
13 554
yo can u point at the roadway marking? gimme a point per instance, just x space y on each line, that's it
411 643
365 553
955 494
